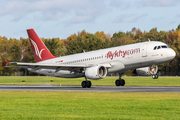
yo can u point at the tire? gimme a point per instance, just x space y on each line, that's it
118 82
154 76
83 84
88 84
122 82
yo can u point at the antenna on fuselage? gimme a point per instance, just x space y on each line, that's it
149 39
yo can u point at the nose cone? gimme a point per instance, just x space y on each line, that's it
171 53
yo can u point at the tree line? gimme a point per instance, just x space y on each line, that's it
19 50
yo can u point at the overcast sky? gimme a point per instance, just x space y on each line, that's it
61 18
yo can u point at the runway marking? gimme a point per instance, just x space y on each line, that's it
92 89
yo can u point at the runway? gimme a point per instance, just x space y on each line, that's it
92 89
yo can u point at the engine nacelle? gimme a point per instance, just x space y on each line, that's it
96 72
147 71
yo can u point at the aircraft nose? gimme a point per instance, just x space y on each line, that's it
171 53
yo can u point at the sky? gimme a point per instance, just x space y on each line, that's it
61 18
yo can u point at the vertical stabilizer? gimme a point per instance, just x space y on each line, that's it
40 51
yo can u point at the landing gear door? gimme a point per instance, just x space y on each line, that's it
144 50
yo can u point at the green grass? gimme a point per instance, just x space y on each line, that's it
130 81
89 105
30 105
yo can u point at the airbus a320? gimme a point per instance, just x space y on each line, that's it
142 57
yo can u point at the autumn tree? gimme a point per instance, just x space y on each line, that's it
121 38
178 28
20 50
52 45
101 35
171 36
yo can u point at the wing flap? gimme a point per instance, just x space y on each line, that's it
57 67
45 65
16 67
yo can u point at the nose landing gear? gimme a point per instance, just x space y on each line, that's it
155 76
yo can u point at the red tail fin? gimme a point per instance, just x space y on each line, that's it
40 51
7 63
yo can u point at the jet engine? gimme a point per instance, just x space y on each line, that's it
147 71
96 72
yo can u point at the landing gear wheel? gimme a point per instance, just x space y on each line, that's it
83 84
118 83
88 84
122 82
156 76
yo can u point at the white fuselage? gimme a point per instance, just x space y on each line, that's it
131 56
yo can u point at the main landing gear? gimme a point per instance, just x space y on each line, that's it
86 83
120 82
155 76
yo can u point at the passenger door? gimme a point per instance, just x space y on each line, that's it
144 50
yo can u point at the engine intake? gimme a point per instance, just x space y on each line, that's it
147 71
96 72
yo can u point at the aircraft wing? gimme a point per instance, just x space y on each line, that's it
57 67
24 67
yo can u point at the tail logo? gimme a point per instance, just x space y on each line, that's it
38 53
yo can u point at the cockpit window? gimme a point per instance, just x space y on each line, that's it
155 47
164 46
158 47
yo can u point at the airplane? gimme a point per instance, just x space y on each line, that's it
142 57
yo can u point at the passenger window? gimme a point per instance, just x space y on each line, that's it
155 47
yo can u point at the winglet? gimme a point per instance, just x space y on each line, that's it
7 63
